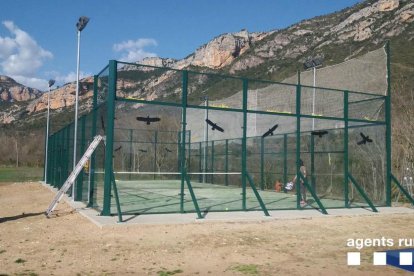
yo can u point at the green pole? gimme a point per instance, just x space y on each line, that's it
226 163
256 193
262 163
93 133
117 202
312 148
183 131
212 162
179 152
130 152
155 152
193 197
49 153
106 210
285 160
346 150
362 193
388 126
244 144
189 151
200 177
79 182
298 111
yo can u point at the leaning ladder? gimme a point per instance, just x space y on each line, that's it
72 177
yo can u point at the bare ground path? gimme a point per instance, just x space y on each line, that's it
69 244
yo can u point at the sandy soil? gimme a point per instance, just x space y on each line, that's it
31 244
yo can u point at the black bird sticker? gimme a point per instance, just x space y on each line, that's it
141 150
214 126
168 150
118 148
270 131
148 120
365 139
319 133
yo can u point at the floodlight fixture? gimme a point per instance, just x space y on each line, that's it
51 83
83 21
312 63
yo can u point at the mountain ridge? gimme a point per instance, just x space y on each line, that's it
274 55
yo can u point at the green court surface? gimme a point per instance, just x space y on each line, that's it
163 196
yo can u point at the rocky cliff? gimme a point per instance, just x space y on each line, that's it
11 91
20 102
272 55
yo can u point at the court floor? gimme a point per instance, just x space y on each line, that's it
163 196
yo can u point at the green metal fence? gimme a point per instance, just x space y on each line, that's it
180 164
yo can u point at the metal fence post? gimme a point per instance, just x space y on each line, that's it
106 210
262 164
346 152
298 116
244 144
93 133
183 132
388 126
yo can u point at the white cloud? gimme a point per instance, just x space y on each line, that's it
37 83
20 54
69 77
21 57
133 50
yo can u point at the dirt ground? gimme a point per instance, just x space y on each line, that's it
31 244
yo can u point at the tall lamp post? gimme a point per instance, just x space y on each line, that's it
51 83
83 21
313 63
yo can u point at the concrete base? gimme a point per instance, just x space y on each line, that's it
250 216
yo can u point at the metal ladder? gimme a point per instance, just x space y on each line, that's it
72 177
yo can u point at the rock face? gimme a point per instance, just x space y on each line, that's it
151 61
218 53
264 55
11 91
388 5
62 97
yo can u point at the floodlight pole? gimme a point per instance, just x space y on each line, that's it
80 26
76 111
205 139
51 82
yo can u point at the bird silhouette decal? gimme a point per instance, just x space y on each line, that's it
118 148
319 133
168 150
148 120
270 131
365 139
141 150
214 126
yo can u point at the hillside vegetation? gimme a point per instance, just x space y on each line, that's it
274 55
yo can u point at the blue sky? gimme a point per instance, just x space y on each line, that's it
38 38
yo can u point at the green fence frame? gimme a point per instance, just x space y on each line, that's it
60 142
